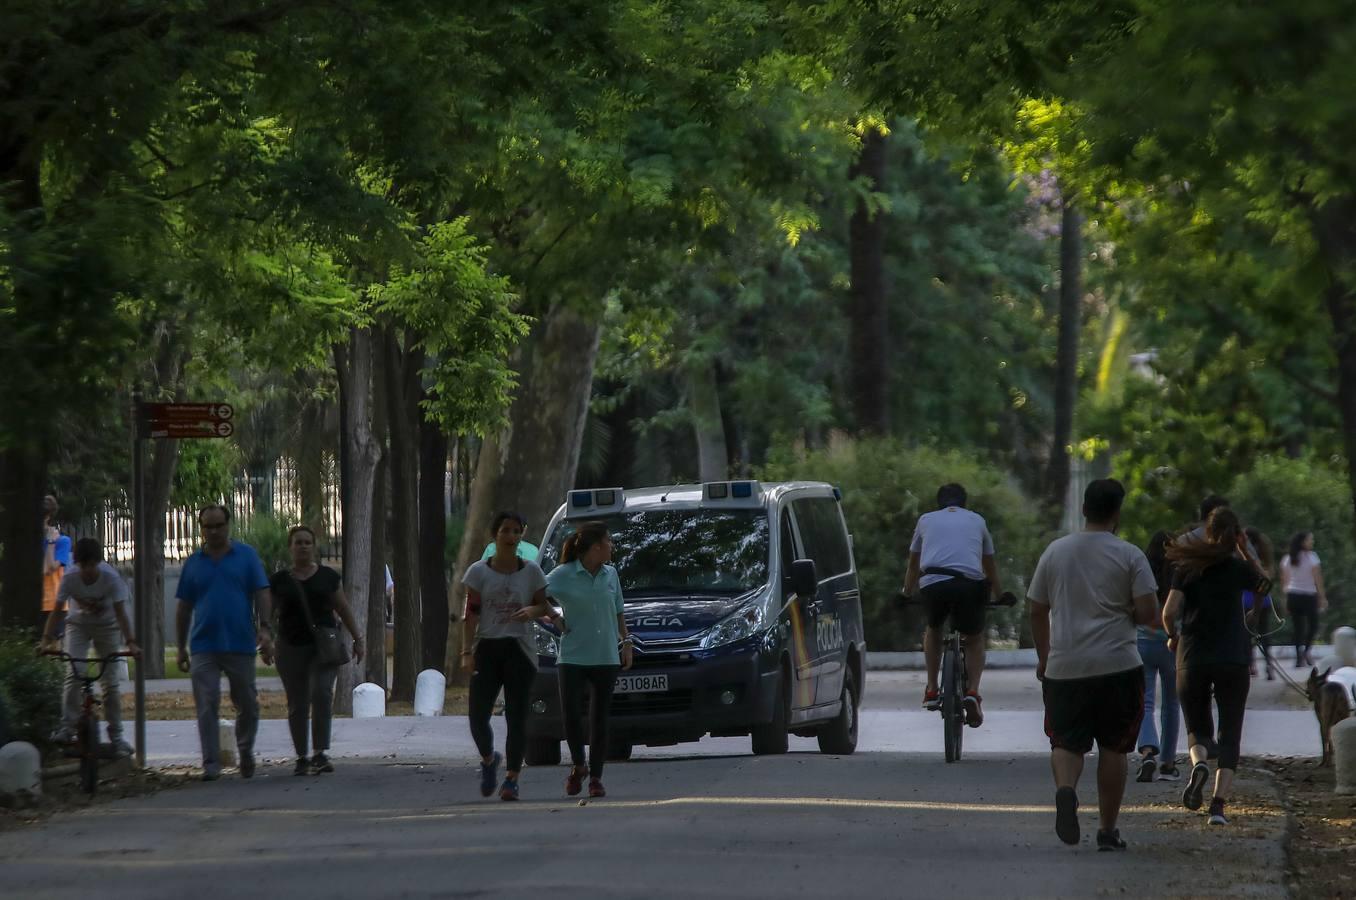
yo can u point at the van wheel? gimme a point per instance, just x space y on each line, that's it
542 752
772 738
840 736
619 751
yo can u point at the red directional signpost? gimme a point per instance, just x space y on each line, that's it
161 421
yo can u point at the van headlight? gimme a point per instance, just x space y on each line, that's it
744 623
548 644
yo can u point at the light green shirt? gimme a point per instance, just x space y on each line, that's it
591 604
527 551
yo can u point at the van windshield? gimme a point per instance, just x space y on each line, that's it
681 551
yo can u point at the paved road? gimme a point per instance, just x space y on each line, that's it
802 825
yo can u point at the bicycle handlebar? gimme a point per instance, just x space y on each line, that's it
1007 598
102 663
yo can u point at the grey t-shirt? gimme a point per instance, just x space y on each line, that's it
952 538
1090 580
92 604
501 596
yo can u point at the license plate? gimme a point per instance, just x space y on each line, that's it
642 684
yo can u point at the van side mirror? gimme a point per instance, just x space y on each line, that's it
804 578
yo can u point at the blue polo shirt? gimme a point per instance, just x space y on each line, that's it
591 604
221 593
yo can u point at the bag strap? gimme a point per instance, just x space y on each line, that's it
305 603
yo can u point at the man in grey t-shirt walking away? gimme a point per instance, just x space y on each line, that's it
1089 592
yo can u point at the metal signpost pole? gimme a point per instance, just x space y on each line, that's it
140 602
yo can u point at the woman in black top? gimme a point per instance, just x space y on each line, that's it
309 685
1204 617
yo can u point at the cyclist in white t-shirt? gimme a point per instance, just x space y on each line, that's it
951 566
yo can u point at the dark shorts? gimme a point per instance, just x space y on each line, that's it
1107 709
960 598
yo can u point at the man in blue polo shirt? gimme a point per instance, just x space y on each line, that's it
222 588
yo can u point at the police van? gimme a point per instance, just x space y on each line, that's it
743 604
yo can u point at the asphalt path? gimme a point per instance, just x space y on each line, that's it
801 825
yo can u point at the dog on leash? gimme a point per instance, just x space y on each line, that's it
1334 696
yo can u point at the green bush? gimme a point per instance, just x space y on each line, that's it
267 534
30 691
1281 496
886 486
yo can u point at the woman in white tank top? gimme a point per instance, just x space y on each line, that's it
1302 582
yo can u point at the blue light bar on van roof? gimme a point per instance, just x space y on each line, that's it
595 501
751 492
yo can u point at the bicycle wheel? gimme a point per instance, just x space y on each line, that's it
87 734
952 714
958 679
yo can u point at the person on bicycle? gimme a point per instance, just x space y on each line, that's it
951 563
97 597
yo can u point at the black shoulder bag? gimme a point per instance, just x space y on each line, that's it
330 647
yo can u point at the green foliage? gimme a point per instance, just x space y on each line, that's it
204 473
267 534
1281 497
886 486
30 690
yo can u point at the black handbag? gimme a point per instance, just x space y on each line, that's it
330 647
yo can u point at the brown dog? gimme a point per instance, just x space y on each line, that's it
1333 702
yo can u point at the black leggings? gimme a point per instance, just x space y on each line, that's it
501 662
1304 616
1228 684
597 682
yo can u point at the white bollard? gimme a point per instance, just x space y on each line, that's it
369 701
430 690
20 769
226 742
1344 755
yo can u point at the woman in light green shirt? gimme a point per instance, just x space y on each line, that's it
589 593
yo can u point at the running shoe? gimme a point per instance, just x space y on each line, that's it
1191 796
932 700
1217 812
211 773
122 749
1169 772
1066 815
489 775
303 767
1146 769
974 710
509 789
1109 840
574 782
320 764
247 765
596 788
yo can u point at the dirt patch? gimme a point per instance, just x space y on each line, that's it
64 794
1321 845
272 705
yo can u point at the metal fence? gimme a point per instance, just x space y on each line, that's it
277 491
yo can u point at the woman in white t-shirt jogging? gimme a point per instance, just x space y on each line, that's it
97 597
503 595
1302 584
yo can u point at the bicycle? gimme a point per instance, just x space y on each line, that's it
86 744
953 682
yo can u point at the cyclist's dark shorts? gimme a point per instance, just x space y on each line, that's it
961 598
1104 708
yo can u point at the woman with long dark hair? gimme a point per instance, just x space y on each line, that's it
1204 619
503 595
594 645
309 683
1158 740
1302 584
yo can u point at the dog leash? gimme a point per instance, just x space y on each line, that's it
1275 665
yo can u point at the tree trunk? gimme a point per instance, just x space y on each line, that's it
1336 234
530 464
402 386
310 467
1066 360
159 484
361 455
869 361
713 457
433 543
376 666
23 479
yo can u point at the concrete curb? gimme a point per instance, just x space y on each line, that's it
887 660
